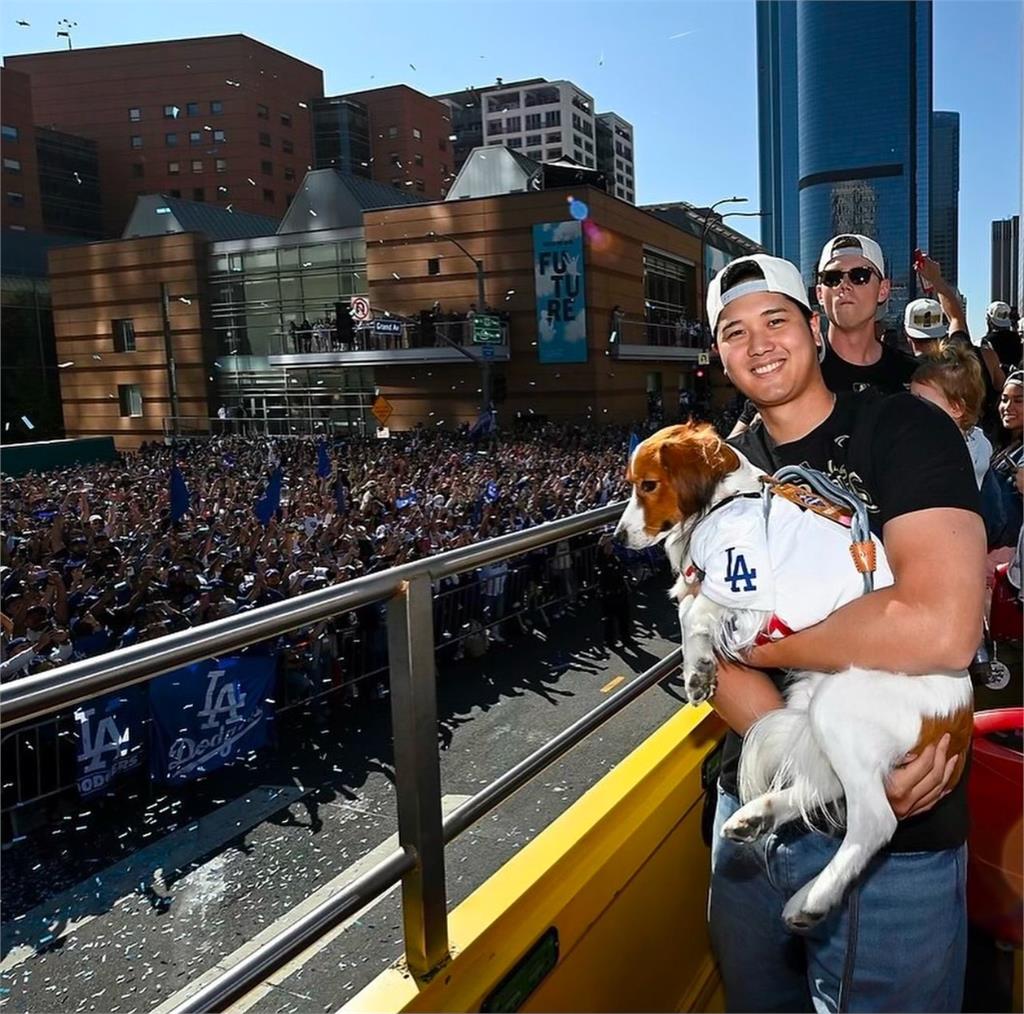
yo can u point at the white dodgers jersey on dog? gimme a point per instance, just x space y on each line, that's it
798 567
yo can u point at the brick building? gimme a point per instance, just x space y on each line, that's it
222 119
21 205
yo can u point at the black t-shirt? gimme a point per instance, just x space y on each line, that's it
899 454
1007 345
890 374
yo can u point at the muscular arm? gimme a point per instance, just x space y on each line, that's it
928 620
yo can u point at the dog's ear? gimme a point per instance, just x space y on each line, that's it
696 463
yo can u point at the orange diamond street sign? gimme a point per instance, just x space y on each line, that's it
382 409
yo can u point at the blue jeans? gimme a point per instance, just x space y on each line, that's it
898 943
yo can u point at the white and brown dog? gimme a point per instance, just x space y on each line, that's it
745 574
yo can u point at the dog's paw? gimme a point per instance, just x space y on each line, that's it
803 912
745 825
700 679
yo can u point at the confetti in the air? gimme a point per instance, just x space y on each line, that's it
395 274
453 137
96 355
413 66
250 180
230 208
64 366
234 84
28 422
78 179
312 212
185 300
302 105
174 112
682 35
23 24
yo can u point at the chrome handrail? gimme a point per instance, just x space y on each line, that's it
422 831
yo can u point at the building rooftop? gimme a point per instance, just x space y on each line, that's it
158 214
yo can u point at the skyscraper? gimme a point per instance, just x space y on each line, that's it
850 86
1006 260
777 128
945 195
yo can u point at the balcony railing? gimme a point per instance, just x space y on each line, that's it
682 339
419 861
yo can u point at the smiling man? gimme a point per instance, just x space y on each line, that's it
907 462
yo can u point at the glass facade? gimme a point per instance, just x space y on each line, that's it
945 195
256 295
778 149
864 119
341 136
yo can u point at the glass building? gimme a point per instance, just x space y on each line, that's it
945 195
778 147
341 135
864 116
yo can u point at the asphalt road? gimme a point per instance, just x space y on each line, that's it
122 905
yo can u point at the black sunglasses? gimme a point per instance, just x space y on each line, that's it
857 276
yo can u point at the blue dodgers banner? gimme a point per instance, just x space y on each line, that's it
111 738
558 269
205 715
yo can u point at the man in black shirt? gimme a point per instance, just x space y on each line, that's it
1002 335
910 466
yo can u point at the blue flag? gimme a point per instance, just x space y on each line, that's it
492 492
323 461
180 497
266 508
111 737
634 443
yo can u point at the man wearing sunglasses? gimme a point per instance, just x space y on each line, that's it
852 288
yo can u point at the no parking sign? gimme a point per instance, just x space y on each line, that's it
360 308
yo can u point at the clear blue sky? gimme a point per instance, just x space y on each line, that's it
692 99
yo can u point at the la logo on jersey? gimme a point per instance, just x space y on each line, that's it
222 699
737 572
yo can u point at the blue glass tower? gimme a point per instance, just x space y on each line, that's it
777 128
864 113
945 196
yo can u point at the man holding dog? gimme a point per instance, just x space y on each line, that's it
899 940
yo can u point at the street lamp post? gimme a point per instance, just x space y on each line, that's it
703 241
481 302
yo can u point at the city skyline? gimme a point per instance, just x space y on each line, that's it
663 71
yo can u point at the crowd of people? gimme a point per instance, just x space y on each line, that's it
92 560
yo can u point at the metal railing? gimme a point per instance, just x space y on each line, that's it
419 860
393 333
348 420
686 334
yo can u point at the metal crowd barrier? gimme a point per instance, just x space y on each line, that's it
419 861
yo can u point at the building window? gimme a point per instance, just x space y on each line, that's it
289 172
286 119
173 168
433 265
12 165
590 162
392 132
494 127
533 139
195 137
138 170
267 168
515 142
135 114
264 139
533 121
554 138
553 118
554 153
129 397
198 194
535 155
418 158
197 165
219 136
124 334
288 147
171 140
629 195
136 141
191 108
513 124
262 111
216 107
268 196
417 134
9 133
170 112
15 200
222 165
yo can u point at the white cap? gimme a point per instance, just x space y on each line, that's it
852 245
923 320
777 275
999 315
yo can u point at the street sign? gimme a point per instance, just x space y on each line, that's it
487 329
487 352
387 326
382 410
360 308
703 358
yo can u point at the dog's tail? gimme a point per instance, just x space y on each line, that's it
780 752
